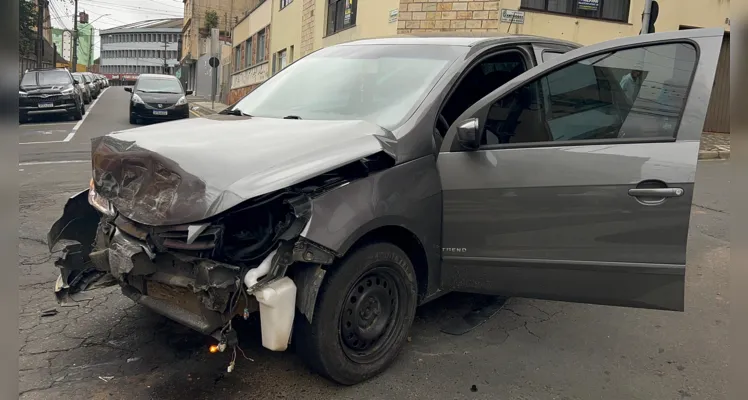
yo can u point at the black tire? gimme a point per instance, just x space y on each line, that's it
78 113
364 281
133 120
23 118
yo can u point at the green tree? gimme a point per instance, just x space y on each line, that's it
27 36
211 19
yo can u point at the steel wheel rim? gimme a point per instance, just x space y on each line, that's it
370 314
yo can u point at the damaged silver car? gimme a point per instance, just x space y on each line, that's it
371 177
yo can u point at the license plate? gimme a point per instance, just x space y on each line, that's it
156 112
46 105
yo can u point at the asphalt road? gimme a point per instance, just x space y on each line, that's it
110 348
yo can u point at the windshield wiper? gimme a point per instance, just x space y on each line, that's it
236 112
291 117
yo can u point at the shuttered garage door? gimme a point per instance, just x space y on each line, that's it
718 113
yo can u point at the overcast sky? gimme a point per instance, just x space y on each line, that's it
106 14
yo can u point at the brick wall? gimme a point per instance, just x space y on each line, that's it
238 93
445 15
307 27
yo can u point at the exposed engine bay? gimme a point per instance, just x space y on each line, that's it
205 273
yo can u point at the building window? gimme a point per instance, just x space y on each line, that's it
341 14
261 56
614 10
237 57
248 53
284 3
282 59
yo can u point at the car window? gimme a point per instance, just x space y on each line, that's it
633 93
549 55
46 78
158 85
381 84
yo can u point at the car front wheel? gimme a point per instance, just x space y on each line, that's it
364 311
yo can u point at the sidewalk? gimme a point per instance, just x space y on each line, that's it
201 107
713 145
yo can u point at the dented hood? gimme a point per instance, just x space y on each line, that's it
186 171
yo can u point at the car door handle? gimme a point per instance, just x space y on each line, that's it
656 192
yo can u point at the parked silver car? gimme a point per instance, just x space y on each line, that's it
374 176
84 87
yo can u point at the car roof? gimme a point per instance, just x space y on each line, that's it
157 76
467 39
45 69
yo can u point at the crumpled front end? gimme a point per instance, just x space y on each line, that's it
202 274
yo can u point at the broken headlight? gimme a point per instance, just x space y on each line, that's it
98 202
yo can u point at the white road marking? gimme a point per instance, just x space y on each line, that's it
88 111
53 162
49 124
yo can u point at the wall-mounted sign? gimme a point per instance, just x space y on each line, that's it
588 5
512 16
393 15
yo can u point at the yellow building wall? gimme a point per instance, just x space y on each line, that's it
258 19
286 28
673 14
372 20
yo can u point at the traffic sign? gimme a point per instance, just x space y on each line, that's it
214 62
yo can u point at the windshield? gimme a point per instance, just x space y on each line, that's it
158 85
382 84
46 78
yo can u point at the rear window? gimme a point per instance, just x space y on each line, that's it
158 85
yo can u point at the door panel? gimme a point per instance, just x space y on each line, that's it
547 209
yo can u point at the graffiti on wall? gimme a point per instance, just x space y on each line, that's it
251 76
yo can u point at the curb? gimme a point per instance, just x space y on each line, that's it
714 155
202 111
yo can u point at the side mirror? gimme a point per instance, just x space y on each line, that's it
77 82
128 89
189 92
468 133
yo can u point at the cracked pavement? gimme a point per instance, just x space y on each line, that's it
110 348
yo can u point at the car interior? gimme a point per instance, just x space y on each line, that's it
483 78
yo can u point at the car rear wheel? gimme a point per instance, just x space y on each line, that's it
365 308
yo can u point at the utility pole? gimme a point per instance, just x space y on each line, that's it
75 37
166 65
39 32
90 54
54 55
645 16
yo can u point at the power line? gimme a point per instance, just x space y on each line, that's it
121 7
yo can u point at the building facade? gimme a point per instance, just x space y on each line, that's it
196 30
147 47
250 60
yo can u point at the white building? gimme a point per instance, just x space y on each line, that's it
146 47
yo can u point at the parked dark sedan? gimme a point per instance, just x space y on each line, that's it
158 98
49 91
